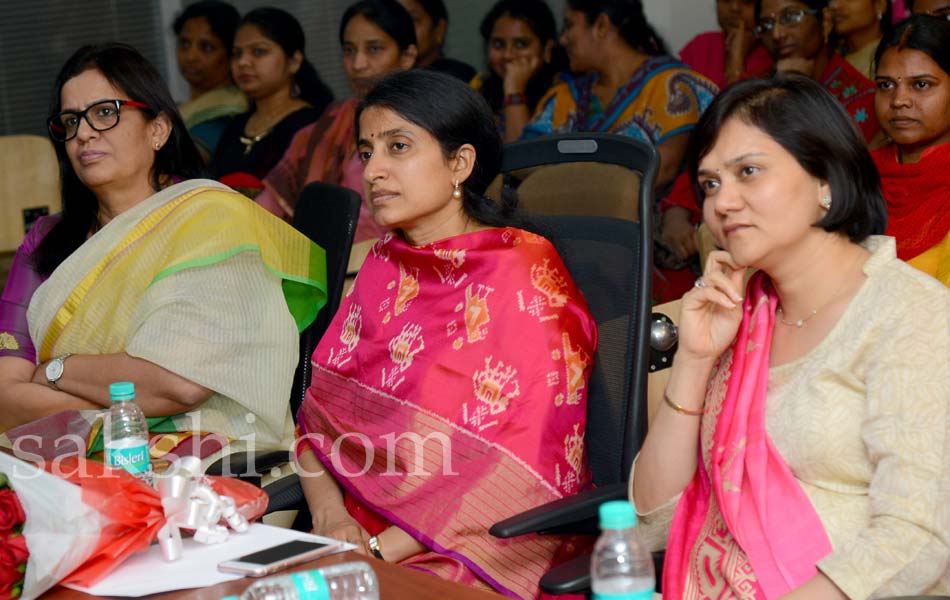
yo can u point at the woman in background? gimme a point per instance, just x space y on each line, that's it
913 105
269 65
724 56
434 343
860 24
628 84
377 37
432 22
205 32
935 8
523 61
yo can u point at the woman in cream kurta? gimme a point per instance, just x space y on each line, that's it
805 424
863 421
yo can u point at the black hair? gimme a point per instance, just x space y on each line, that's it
221 17
388 15
133 74
284 30
454 114
435 9
536 15
926 33
810 124
628 17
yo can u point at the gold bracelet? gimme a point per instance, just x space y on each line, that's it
680 409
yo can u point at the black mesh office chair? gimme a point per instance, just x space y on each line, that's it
327 214
610 259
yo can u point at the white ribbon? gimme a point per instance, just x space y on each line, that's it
189 502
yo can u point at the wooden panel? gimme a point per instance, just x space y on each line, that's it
29 178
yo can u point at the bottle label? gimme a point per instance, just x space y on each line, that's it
641 595
310 585
133 459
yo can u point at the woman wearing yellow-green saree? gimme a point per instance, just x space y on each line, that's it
180 285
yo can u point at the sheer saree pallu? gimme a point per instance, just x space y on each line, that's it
450 392
744 527
199 280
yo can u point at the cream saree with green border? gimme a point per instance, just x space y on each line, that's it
201 281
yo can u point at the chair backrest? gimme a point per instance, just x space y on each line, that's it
327 214
565 189
611 261
29 185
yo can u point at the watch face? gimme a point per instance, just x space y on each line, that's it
54 370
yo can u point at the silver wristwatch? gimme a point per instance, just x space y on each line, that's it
54 370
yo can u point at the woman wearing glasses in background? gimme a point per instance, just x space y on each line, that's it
174 284
793 31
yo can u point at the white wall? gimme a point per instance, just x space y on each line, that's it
677 21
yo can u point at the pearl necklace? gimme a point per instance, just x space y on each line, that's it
800 322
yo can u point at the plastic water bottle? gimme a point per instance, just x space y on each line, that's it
347 581
621 567
127 444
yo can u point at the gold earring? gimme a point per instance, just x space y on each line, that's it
457 192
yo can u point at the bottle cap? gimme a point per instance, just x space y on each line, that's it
121 391
617 514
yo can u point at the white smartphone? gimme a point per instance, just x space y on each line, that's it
277 558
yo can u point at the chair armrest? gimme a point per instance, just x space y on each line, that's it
570 577
285 494
573 576
248 466
560 513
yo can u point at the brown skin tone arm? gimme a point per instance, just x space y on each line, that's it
331 519
26 395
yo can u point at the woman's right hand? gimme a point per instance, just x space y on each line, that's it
711 314
518 72
343 528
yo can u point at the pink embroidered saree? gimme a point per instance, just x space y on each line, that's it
744 527
450 392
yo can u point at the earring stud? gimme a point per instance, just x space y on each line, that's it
825 202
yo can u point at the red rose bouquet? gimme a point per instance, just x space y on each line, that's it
13 551
77 520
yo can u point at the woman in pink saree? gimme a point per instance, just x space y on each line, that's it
450 391
803 448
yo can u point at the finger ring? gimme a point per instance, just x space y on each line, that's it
699 283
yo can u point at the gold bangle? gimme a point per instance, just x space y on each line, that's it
680 409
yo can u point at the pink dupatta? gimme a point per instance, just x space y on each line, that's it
748 483
450 393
